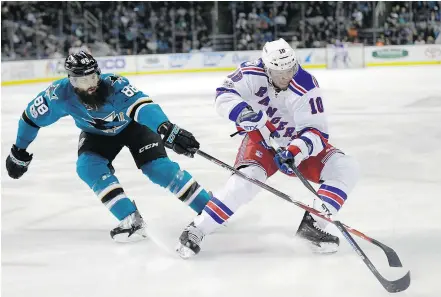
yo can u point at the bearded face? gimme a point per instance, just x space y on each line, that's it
94 100
91 90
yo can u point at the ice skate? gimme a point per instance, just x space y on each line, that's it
189 242
131 229
321 241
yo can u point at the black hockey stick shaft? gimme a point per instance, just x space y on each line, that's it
391 286
289 199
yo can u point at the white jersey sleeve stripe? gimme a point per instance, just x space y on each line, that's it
295 90
222 90
298 86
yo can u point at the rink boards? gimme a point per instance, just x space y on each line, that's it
35 71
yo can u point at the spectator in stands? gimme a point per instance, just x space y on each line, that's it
295 43
33 29
420 40
79 46
430 40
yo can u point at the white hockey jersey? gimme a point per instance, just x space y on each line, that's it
297 112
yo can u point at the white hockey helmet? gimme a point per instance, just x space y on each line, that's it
280 62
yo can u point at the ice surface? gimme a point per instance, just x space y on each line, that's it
55 232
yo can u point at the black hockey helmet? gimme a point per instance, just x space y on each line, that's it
81 64
83 72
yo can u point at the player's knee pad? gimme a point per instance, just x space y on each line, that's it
238 191
92 168
340 175
352 172
161 171
96 172
255 172
342 171
346 173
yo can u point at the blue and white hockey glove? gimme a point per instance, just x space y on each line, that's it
292 155
17 162
179 140
249 120
257 126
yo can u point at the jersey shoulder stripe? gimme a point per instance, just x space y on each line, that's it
223 90
253 68
303 82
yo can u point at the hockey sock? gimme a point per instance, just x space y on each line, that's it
333 198
94 171
168 174
189 191
112 195
225 202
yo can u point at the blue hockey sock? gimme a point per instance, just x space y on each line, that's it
122 208
113 197
93 170
167 174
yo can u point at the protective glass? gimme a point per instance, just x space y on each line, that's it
85 82
282 78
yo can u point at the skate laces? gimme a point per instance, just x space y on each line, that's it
315 225
132 220
127 222
194 234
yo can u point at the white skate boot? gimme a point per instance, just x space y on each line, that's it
131 229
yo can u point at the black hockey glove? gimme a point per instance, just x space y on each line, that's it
179 140
17 162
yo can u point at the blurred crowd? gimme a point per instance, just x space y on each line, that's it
325 22
412 23
52 29
321 23
151 27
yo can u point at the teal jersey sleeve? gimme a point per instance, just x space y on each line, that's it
138 106
42 111
47 107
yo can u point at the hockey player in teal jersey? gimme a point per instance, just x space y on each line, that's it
111 114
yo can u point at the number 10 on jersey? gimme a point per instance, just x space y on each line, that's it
316 105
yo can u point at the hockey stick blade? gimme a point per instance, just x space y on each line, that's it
395 286
391 286
391 255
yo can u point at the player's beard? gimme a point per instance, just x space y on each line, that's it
97 99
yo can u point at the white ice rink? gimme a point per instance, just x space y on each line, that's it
55 232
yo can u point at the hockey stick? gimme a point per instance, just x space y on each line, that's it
391 255
391 286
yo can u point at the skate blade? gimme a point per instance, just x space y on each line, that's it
184 252
125 238
324 248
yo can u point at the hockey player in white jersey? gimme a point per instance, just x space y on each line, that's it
341 55
276 95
